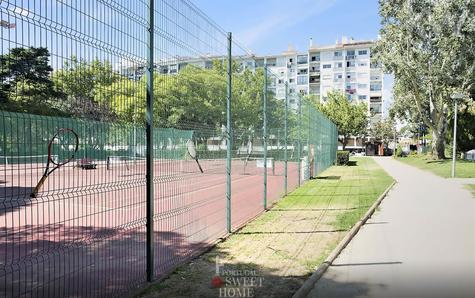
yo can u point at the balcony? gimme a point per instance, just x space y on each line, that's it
314 80
351 57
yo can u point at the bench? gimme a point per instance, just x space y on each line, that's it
87 164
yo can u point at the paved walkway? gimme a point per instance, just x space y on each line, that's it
420 244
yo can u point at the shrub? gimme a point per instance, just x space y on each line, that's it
399 152
342 157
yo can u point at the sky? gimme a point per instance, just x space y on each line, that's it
269 26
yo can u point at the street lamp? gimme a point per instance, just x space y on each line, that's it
455 97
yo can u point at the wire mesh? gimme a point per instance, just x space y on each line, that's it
81 66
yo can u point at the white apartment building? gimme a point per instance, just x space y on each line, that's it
345 66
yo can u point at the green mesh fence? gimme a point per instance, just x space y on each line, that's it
24 139
229 138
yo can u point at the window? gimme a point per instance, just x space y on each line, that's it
338 54
350 63
375 108
271 62
375 78
338 76
303 59
291 80
315 58
363 52
350 55
363 64
281 81
327 66
339 65
302 80
163 69
291 60
362 86
362 97
302 71
281 62
375 87
314 69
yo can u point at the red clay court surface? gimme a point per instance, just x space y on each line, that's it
85 233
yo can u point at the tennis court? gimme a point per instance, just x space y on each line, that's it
77 207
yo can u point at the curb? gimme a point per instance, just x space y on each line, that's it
308 285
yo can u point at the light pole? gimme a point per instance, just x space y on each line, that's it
455 97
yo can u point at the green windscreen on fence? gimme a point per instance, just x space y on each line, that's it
25 138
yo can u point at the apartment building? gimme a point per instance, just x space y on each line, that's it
345 66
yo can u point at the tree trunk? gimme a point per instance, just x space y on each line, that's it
344 142
438 146
438 137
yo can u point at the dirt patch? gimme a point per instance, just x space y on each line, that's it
272 255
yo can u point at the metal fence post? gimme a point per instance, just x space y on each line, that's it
285 137
309 171
229 136
299 140
264 111
149 137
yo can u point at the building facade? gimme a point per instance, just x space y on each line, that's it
346 66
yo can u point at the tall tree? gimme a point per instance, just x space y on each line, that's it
383 130
351 119
429 45
26 83
84 84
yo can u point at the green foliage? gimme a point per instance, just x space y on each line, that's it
342 157
383 130
428 45
399 151
351 119
85 86
26 83
465 126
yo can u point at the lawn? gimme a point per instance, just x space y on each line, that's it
443 168
276 252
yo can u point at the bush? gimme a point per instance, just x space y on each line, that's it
399 152
342 157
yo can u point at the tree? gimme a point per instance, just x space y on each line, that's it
83 84
465 126
351 119
26 83
430 47
383 131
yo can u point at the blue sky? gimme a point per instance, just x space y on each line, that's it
268 26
